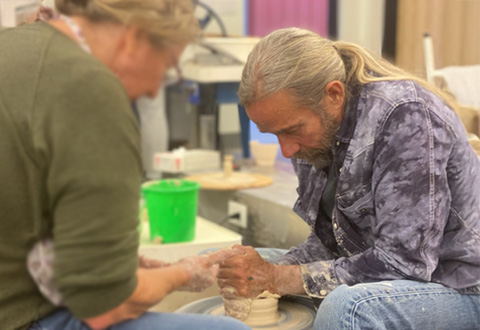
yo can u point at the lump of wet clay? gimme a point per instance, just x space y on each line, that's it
261 310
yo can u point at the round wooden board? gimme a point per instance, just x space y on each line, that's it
236 180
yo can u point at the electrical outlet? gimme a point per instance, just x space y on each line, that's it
235 207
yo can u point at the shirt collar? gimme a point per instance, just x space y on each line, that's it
349 120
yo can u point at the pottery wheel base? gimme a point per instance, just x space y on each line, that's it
294 313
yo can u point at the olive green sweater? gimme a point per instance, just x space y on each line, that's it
70 170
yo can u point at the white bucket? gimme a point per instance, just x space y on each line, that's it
264 153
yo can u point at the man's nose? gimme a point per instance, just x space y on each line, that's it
289 148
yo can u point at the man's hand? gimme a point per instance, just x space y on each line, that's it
247 273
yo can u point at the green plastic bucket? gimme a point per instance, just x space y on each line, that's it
172 209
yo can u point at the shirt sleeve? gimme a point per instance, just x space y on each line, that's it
411 202
91 152
311 249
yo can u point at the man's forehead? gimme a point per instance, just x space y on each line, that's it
271 116
270 105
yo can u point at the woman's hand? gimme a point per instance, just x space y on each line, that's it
144 262
203 269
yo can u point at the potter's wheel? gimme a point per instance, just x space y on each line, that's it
294 312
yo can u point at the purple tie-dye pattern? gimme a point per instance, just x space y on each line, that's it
407 199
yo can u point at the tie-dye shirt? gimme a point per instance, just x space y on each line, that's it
407 202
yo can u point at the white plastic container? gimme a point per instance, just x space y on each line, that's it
18 12
182 160
238 47
264 153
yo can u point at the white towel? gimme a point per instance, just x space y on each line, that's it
464 83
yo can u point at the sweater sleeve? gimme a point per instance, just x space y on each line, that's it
88 142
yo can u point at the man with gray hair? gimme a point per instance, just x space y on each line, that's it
388 184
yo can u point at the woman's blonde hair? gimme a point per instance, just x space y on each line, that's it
303 63
166 22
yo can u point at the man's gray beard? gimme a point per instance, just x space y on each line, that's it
322 157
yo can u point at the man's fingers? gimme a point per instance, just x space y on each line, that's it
229 274
243 249
231 292
228 292
221 255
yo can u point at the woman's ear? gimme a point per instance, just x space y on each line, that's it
133 39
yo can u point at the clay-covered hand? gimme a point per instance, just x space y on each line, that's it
144 262
247 273
203 269
202 273
235 306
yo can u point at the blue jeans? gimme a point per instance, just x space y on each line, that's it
64 320
391 305
399 304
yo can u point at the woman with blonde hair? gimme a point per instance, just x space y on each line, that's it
71 169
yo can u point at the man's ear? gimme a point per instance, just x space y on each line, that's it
335 93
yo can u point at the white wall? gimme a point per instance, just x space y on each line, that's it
232 13
10 8
49 3
361 22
